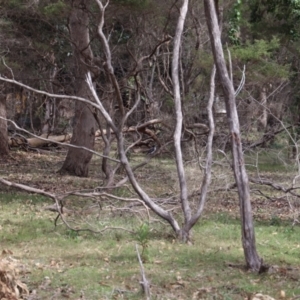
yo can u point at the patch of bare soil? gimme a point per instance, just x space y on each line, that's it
39 169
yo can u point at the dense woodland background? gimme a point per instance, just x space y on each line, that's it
131 81
261 37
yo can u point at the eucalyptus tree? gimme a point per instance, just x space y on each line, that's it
77 159
253 261
89 104
190 217
89 98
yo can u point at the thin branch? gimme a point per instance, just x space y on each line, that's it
28 188
144 283
209 157
100 105
242 82
276 186
59 96
108 63
230 64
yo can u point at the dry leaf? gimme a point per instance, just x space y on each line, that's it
262 297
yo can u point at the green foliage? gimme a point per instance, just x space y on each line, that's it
13 4
56 9
275 221
14 65
279 16
133 3
234 23
258 50
260 58
142 236
72 234
169 103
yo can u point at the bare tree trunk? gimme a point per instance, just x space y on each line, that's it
4 150
178 129
50 118
263 118
253 261
77 160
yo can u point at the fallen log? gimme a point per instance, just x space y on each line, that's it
44 139
38 142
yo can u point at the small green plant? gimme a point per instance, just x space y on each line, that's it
72 234
275 221
142 236
289 230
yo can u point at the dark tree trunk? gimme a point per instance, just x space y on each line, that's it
77 160
3 128
253 261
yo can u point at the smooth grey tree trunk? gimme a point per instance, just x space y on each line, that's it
184 234
253 261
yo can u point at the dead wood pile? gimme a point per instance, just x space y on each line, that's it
11 287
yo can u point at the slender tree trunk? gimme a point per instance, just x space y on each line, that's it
178 129
253 261
263 118
3 128
77 160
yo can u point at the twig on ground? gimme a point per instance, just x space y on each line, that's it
144 283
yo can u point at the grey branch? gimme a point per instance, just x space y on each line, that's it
144 283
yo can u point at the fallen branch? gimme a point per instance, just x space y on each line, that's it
28 188
58 207
39 141
276 186
267 137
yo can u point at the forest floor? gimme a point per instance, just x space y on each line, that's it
56 262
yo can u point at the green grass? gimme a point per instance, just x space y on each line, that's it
106 267
268 160
60 263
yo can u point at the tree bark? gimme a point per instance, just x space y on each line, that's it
263 117
77 160
4 150
253 261
179 117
